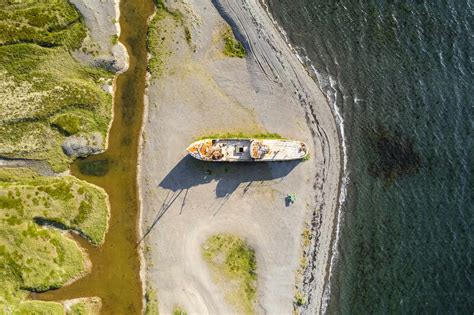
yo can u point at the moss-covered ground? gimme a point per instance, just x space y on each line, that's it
35 255
89 306
83 306
233 264
45 94
232 47
179 311
151 300
161 33
241 135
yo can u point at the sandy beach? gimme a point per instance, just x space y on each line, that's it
184 201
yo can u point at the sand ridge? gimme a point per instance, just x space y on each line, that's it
184 201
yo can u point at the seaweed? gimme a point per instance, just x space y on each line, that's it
396 155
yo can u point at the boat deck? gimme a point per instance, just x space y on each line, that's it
245 150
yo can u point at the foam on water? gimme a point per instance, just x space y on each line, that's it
328 86
398 78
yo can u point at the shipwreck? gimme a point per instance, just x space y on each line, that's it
247 150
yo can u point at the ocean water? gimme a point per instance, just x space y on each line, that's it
401 74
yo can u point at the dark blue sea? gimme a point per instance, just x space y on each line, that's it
401 74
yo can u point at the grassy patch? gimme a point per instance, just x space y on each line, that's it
40 81
161 33
85 306
35 258
45 96
45 23
233 263
76 121
179 311
114 40
151 307
39 308
241 135
300 299
232 47
66 201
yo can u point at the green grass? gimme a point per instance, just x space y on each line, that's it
85 306
161 32
36 258
233 263
45 96
114 40
232 47
151 300
241 135
76 121
39 308
41 83
45 23
66 200
300 299
179 311
156 40
82 306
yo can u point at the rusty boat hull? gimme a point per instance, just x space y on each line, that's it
247 150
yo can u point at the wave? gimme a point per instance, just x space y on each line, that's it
328 86
330 91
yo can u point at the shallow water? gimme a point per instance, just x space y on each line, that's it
402 76
115 265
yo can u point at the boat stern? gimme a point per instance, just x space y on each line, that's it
303 150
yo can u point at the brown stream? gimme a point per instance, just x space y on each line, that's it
115 265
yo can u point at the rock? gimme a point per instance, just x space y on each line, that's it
83 145
121 58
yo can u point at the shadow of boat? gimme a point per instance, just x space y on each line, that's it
190 172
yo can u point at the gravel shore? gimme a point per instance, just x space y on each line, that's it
201 91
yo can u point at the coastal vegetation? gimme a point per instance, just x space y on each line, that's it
232 47
151 300
45 94
161 32
179 311
46 97
241 135
34 254
84 306
233 264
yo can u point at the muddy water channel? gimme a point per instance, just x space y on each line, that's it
115 266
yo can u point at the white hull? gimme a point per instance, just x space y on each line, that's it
247 150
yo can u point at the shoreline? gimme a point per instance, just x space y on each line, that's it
141 254
320 290
344 177
273 59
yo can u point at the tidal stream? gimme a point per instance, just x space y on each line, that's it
115 265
